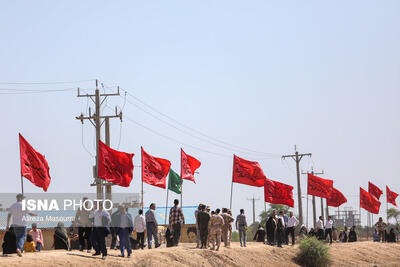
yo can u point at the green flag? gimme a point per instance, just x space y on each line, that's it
174 182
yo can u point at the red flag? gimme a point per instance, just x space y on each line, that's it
278 193
336 198
391 196
369 202
154 170
34 166
319 187
374 190
247 172
188 166
115 166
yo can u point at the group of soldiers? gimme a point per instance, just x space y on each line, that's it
213 226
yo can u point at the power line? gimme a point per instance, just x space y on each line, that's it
196 131
173 139
188 133
26 92
54 82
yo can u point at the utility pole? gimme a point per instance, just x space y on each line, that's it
254 207
297 158
313 197
96 120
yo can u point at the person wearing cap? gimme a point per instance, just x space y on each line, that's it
37 237
19 221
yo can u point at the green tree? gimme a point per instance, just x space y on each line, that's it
394 213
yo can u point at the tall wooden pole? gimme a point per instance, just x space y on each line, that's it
327 209
99 182
95 119
314 209
297 158
307 213
322 207
300 203
253 200
108 189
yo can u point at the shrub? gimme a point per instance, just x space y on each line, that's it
235 237
312 253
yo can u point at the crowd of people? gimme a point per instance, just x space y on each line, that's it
91 227
281 227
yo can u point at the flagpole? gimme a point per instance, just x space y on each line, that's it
368 223
360 210
166 209
141 153
181 191
142 194
372 223
22 184
22 178
181 181
387 210
230 206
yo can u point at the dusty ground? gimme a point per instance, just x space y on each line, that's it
348 254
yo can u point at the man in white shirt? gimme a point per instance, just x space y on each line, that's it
291 226
140 227
102 220
19 221
328 229
320 228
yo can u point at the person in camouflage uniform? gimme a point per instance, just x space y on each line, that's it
216 223
228 220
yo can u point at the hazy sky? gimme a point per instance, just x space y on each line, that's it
264 75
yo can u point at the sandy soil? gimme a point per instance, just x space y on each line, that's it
349 254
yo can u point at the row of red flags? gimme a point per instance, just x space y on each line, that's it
117 167
114 166
250 173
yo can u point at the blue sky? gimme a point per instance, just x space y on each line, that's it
264 75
